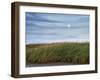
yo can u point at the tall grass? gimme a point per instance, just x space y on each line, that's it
75 53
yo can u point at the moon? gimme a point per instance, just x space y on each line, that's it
68 26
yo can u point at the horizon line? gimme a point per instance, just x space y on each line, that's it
58 42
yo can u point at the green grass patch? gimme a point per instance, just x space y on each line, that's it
75 53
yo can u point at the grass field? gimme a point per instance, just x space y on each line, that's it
75 53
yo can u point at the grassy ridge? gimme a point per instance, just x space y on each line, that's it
76 53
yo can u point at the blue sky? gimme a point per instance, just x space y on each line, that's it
56 27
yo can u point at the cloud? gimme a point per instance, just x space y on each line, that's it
48 17
46 27
41 33
50 25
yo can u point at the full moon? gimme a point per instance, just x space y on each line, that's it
68 25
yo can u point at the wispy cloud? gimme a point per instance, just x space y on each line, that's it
56 17
46 27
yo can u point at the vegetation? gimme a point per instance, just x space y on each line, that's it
75 53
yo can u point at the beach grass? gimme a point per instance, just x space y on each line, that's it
68 52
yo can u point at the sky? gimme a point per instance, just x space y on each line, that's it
56 27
